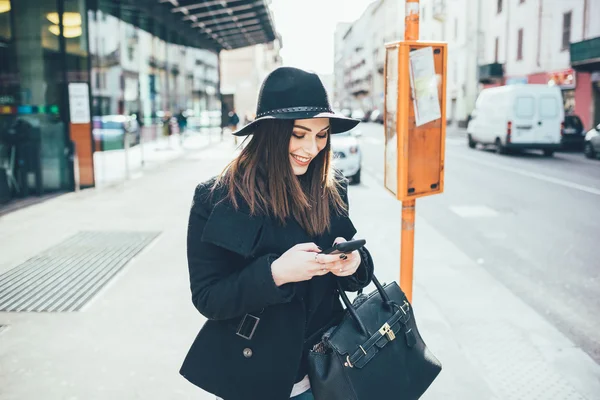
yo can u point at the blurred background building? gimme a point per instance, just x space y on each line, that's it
70 67
501 42
242 73
359 55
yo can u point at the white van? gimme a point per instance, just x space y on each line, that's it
518 117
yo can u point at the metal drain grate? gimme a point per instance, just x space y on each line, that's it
66 276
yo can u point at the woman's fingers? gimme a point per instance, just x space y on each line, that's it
307 247
339 240
327 258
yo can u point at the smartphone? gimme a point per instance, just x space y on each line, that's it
345 247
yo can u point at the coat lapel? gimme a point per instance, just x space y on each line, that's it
233 229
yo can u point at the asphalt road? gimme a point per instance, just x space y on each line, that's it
532 222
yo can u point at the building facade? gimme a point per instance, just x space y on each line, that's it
360 55
65 65
530 41
490 43
242 73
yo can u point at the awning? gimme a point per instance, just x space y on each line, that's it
229 24
585 55
209 24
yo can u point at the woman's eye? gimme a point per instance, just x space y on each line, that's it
297 136
322 136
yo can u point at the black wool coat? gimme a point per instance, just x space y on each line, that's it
229 257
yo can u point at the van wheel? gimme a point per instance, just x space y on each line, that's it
548 153
588 150
472 143
500 149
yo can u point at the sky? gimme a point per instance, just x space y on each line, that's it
307 29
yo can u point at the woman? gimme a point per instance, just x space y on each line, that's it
254 233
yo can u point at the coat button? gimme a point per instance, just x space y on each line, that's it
247 352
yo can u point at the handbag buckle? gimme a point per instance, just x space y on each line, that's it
386 330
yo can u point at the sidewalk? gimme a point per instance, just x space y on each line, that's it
114 166
129 341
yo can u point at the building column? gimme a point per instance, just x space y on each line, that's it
583 99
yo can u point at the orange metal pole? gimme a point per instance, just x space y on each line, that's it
407 244
407 239
411 20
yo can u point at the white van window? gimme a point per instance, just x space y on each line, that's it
524 106
548 107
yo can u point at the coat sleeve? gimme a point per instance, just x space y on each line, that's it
217 292
364 274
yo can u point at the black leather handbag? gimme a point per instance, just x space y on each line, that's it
375 351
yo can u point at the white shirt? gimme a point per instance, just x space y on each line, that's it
298 388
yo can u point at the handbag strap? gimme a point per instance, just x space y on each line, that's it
352 311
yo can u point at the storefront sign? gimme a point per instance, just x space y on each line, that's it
565 79
79 103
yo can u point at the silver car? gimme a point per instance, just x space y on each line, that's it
347 156
592 143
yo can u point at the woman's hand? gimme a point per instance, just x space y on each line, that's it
348 265
304 261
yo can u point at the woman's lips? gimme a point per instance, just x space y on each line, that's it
302 161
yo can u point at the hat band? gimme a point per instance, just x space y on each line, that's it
292 109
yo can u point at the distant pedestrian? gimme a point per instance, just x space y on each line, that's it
254 232
182 123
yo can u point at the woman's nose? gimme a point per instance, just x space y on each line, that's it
311 147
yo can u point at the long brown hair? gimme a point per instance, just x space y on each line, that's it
263 176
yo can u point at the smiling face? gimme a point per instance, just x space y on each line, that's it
308 139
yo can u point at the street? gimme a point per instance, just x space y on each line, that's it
531 222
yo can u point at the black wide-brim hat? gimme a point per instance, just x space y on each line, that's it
292 93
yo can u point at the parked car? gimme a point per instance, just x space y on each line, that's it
110 130
376 116
518 117
573 133
346 112
347 156
358 114
591 147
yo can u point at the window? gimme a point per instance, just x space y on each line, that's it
520 45
524 107
496 49
499 6
548 107
566 31
98 86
